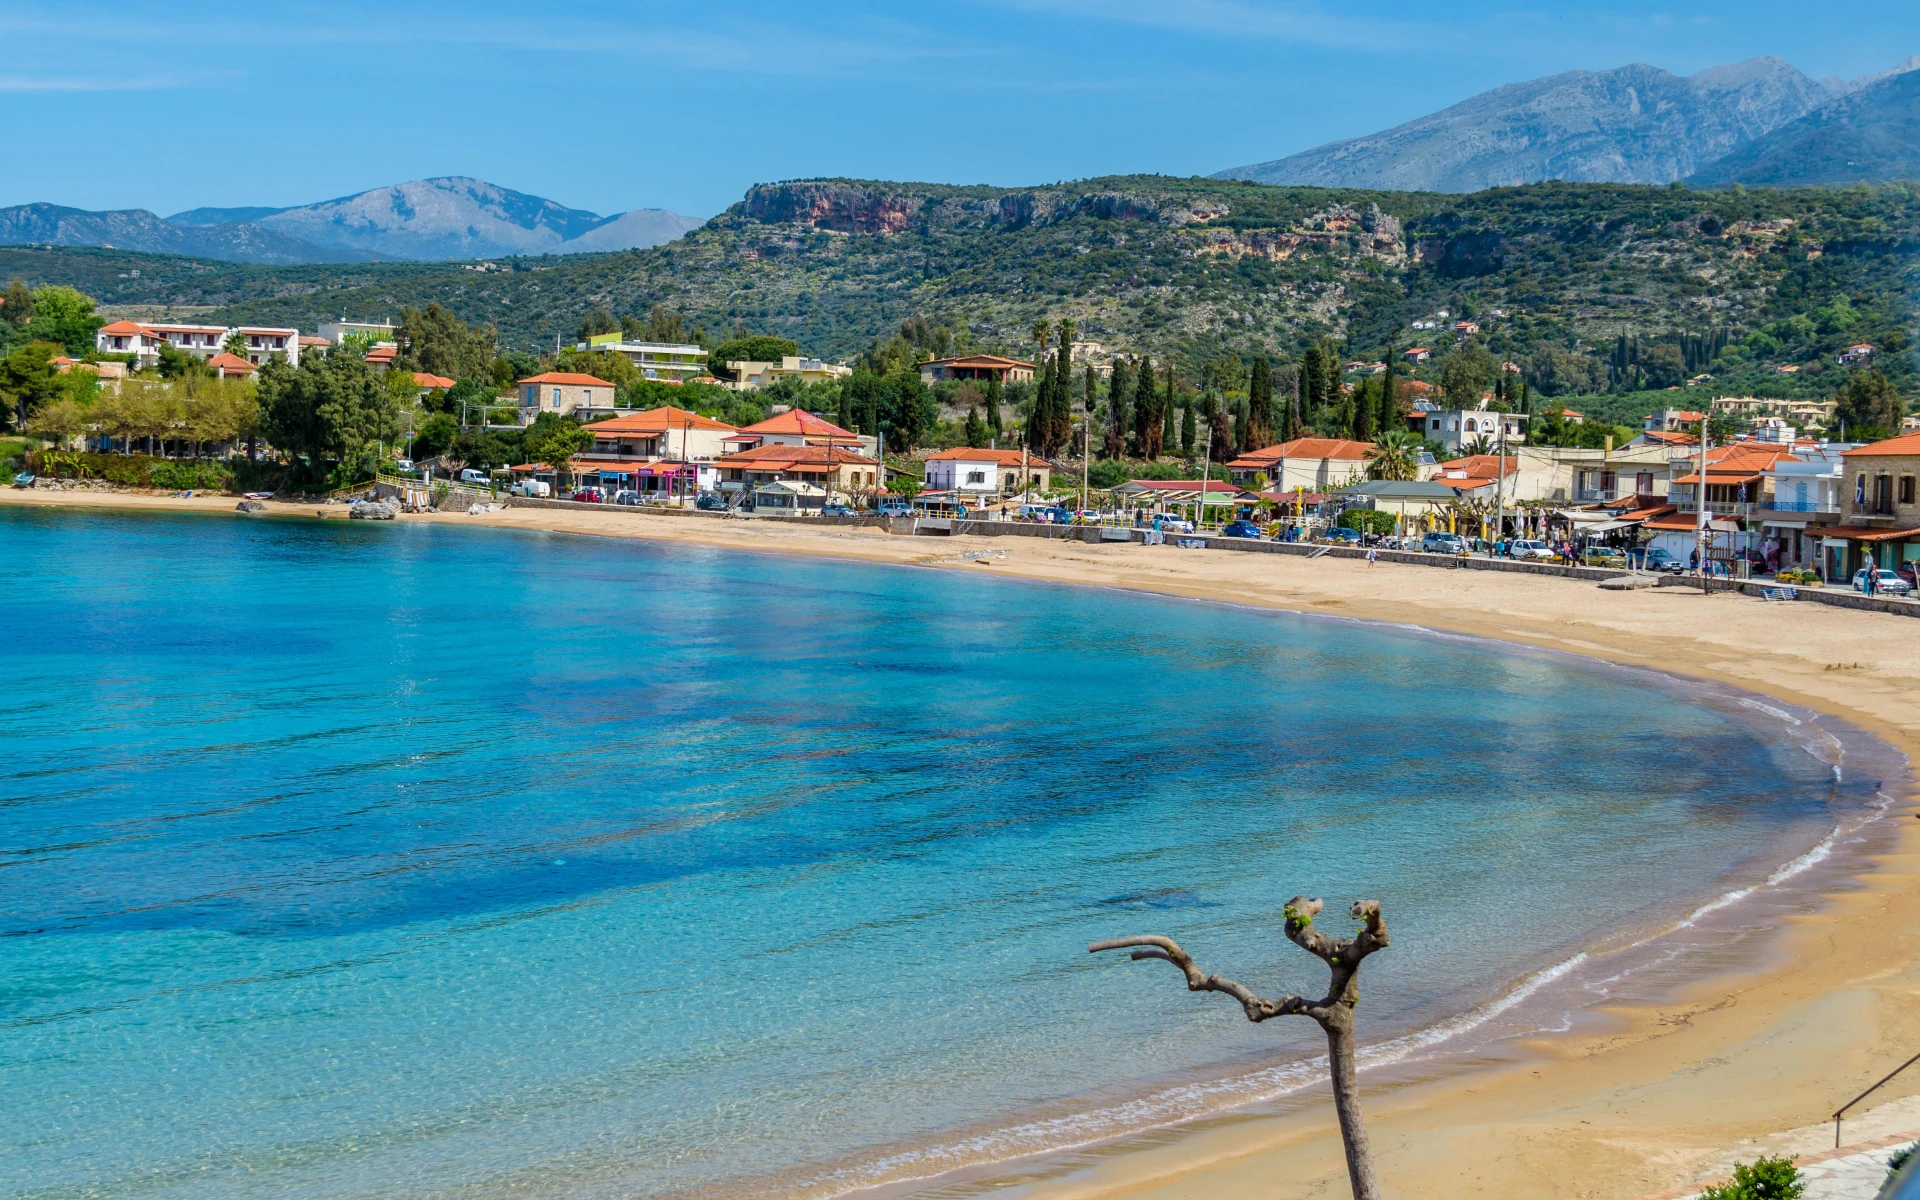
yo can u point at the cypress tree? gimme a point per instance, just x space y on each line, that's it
1086 411
1146 410
976 431
1189 430
1364 410
993 406
1116 437
1167 429
1260 403
1144 418
1389 412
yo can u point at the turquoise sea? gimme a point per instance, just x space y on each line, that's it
344 860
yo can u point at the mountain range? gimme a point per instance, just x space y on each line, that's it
439 219
1633 124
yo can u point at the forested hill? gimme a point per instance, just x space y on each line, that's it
1558 273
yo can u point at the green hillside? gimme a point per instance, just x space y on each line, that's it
1588 286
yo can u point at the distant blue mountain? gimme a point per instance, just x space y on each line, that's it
1868 136
427 220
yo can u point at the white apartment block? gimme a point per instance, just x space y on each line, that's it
143 340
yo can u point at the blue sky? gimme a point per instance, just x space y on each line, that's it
607 105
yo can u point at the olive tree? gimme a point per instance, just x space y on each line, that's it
1333 1012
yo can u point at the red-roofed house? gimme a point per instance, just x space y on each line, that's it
1316 464
844 470
562 392
798 427
976 366
969 472
1881 493
427 382
232 366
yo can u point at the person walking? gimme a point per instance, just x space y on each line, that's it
1371 555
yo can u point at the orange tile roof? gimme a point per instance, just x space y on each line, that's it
1481 466
657 421
1006 458
1672 522
800 421
1340 448
224 362
1863 533
564 377
423 379
1665 438
1906 443
382 354
978 360
125 329
777 458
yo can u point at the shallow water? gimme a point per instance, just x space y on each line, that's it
344 860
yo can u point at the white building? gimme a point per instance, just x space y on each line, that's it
971 473
752 376
1455 428
379 331
143 340
669 361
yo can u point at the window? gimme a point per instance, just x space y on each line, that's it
556 397
976 476
1906 489
1643 484
1860 489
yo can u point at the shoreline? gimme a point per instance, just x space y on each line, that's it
1637 1104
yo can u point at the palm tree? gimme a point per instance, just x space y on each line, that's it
1479 445
1395 456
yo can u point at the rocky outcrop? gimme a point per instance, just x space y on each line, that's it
831 205
1368 233
250 506
374 510
1018 210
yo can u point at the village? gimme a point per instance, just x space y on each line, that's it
1765 501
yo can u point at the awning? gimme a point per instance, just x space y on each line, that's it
1607 526
1586 518
1861 533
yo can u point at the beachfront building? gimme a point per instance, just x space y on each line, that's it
798 427
665 452
842 469
1469 475
752 376
789 496
980 475
1806 495
1416 506
670 362
976 366
1880 494
1311 464
564 392
1215 498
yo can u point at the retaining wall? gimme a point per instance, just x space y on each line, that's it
1832 597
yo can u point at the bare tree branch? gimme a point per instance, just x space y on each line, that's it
1334 1013
1256 1007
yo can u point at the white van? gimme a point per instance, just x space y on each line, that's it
533 488
475 477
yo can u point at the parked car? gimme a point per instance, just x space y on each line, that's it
836 510
1885 582
469 475
588 495
627 496
1602 556
1241 529
403 464
1345 534
710 502
1528 548
1443 543
1657 558
894 508
1170 524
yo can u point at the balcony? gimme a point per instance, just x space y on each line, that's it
1805 506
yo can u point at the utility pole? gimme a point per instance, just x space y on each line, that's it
1700 497
1086 437
1500 481
1206 472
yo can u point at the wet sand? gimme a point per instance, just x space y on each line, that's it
1644 1100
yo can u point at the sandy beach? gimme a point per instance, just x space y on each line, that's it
1646 1100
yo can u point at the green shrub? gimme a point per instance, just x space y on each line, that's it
1367 520
133 470
1899 1158
1762 1179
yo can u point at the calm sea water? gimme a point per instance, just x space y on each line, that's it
350 860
